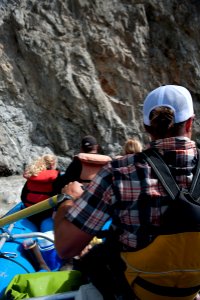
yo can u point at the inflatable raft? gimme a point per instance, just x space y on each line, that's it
24 250
29 264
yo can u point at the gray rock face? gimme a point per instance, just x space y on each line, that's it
74 67
10 192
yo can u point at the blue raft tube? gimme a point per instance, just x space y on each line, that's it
14 257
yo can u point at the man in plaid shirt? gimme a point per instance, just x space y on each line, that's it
127 189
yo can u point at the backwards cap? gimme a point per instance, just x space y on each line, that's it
88 141
176 97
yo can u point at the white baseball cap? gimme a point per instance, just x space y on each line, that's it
176 97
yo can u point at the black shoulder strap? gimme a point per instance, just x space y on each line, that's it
165 176
195 186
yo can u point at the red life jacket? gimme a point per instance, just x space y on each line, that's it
40 187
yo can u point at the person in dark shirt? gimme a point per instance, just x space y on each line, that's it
88 145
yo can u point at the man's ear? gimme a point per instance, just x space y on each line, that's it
188 125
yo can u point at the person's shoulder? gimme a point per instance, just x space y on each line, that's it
122 159
128 159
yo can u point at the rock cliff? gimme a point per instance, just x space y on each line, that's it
74 67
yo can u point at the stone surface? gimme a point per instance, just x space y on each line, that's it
10 191
74 67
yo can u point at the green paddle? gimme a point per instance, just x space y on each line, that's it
32 210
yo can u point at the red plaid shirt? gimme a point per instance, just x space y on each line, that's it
128 191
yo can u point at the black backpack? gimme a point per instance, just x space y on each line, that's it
183 213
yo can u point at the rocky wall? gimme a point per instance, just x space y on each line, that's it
74 67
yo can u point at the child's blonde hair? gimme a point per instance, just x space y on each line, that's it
45 162
132 146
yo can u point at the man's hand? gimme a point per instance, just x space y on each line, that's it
74 189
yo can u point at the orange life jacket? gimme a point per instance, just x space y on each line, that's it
91 165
